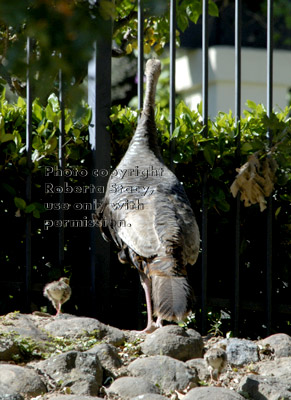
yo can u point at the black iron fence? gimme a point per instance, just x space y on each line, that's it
99 290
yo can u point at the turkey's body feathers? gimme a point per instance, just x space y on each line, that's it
151 221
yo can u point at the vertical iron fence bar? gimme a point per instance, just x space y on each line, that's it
29 178
140 81
140 72
204 191
237 120
269 133
237 60
99 99
205 35
270 59
61 166
172 77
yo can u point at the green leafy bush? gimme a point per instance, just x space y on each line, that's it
214 153
196 154
45 132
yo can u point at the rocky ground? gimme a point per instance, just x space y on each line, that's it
78 358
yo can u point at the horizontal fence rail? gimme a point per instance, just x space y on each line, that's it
99 86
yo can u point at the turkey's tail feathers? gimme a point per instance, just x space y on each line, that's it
172 295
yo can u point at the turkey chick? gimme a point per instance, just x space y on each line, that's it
58 292
216 360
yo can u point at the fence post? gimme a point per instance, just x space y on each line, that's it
269 242
28 181
140 71
61 178
99 99
204 190
172 78
238 203
140 81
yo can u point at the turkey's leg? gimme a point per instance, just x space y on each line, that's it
146 284
159 322
58 308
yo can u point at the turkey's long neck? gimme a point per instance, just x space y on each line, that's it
146 132
149 101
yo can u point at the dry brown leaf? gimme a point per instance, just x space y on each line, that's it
255 180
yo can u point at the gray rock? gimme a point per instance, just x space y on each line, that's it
267 388
213 393
279 368
16 380
109 359
149 396
107 355
11 397
72 397
280 342
128 387
165 372
114 335
77 326
241 351
24 325
199 364
7 349
174 341
82 372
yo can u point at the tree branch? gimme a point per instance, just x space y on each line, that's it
14 84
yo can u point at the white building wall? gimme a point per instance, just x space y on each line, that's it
222 73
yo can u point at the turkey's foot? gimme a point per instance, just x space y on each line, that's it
151 327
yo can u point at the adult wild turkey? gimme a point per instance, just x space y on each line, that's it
148 215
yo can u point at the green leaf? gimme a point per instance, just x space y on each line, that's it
22 161
277 211
213 9
2 124
31 207
246 147
9 188
20 203
182 22
223 205
40 129
50 113
17 139
51 144
200 108
107 9
209 155
176 132
76 133
217 172
21 102
53 101
36 213
193 12
68 123
6 137
251 104
2 96
37 111
37 142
